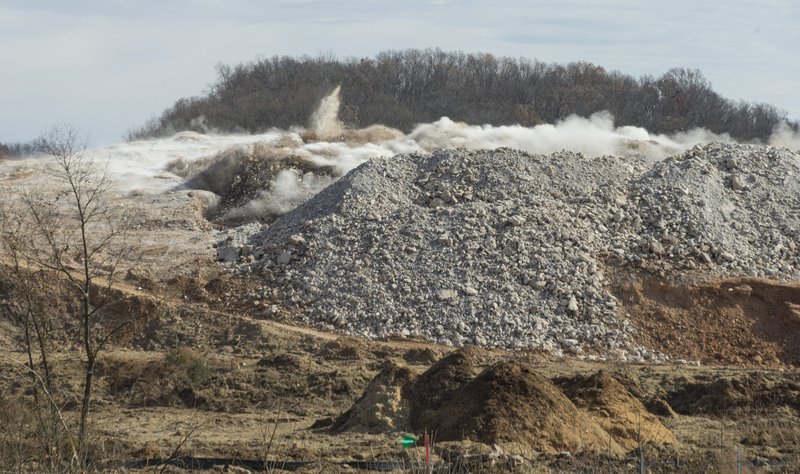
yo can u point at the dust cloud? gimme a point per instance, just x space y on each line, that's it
264 175
783 136
325 120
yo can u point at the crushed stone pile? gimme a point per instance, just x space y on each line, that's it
507 249
729 209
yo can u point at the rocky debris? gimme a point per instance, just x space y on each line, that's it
730 210
241 179
502 248
228 254
233 244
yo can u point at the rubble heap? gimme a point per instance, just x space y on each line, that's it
503 248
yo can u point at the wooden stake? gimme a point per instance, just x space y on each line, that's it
427 449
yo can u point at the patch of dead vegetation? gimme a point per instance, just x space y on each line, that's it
174 379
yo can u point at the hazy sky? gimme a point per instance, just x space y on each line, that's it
107 65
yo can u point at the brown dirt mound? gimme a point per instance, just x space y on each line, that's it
343 348
420 355
381 408
618 412
725 396
437 385
747 321
510 403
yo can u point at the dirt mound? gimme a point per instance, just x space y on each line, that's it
617 411
725 396
382 407
344 348
510 403
733 321
439 384
396 399
507 403
417 355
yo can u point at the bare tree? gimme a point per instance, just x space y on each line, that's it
24 305
71 231
21 302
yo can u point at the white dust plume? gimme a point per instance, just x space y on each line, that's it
325 120
593 136
265 175
784 136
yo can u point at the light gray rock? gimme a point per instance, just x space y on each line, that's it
446 295
572 305
539 236
297 240
284 258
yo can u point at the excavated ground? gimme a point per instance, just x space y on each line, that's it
204 372
738 321
201 377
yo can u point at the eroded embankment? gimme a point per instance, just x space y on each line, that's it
724 321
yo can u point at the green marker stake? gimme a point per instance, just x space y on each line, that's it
408 441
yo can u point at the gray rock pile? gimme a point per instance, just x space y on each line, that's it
501 248
727 209
234 244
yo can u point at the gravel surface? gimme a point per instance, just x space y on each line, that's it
502 248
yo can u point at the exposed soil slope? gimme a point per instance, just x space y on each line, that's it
731 321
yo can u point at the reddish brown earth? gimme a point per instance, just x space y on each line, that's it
733 321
